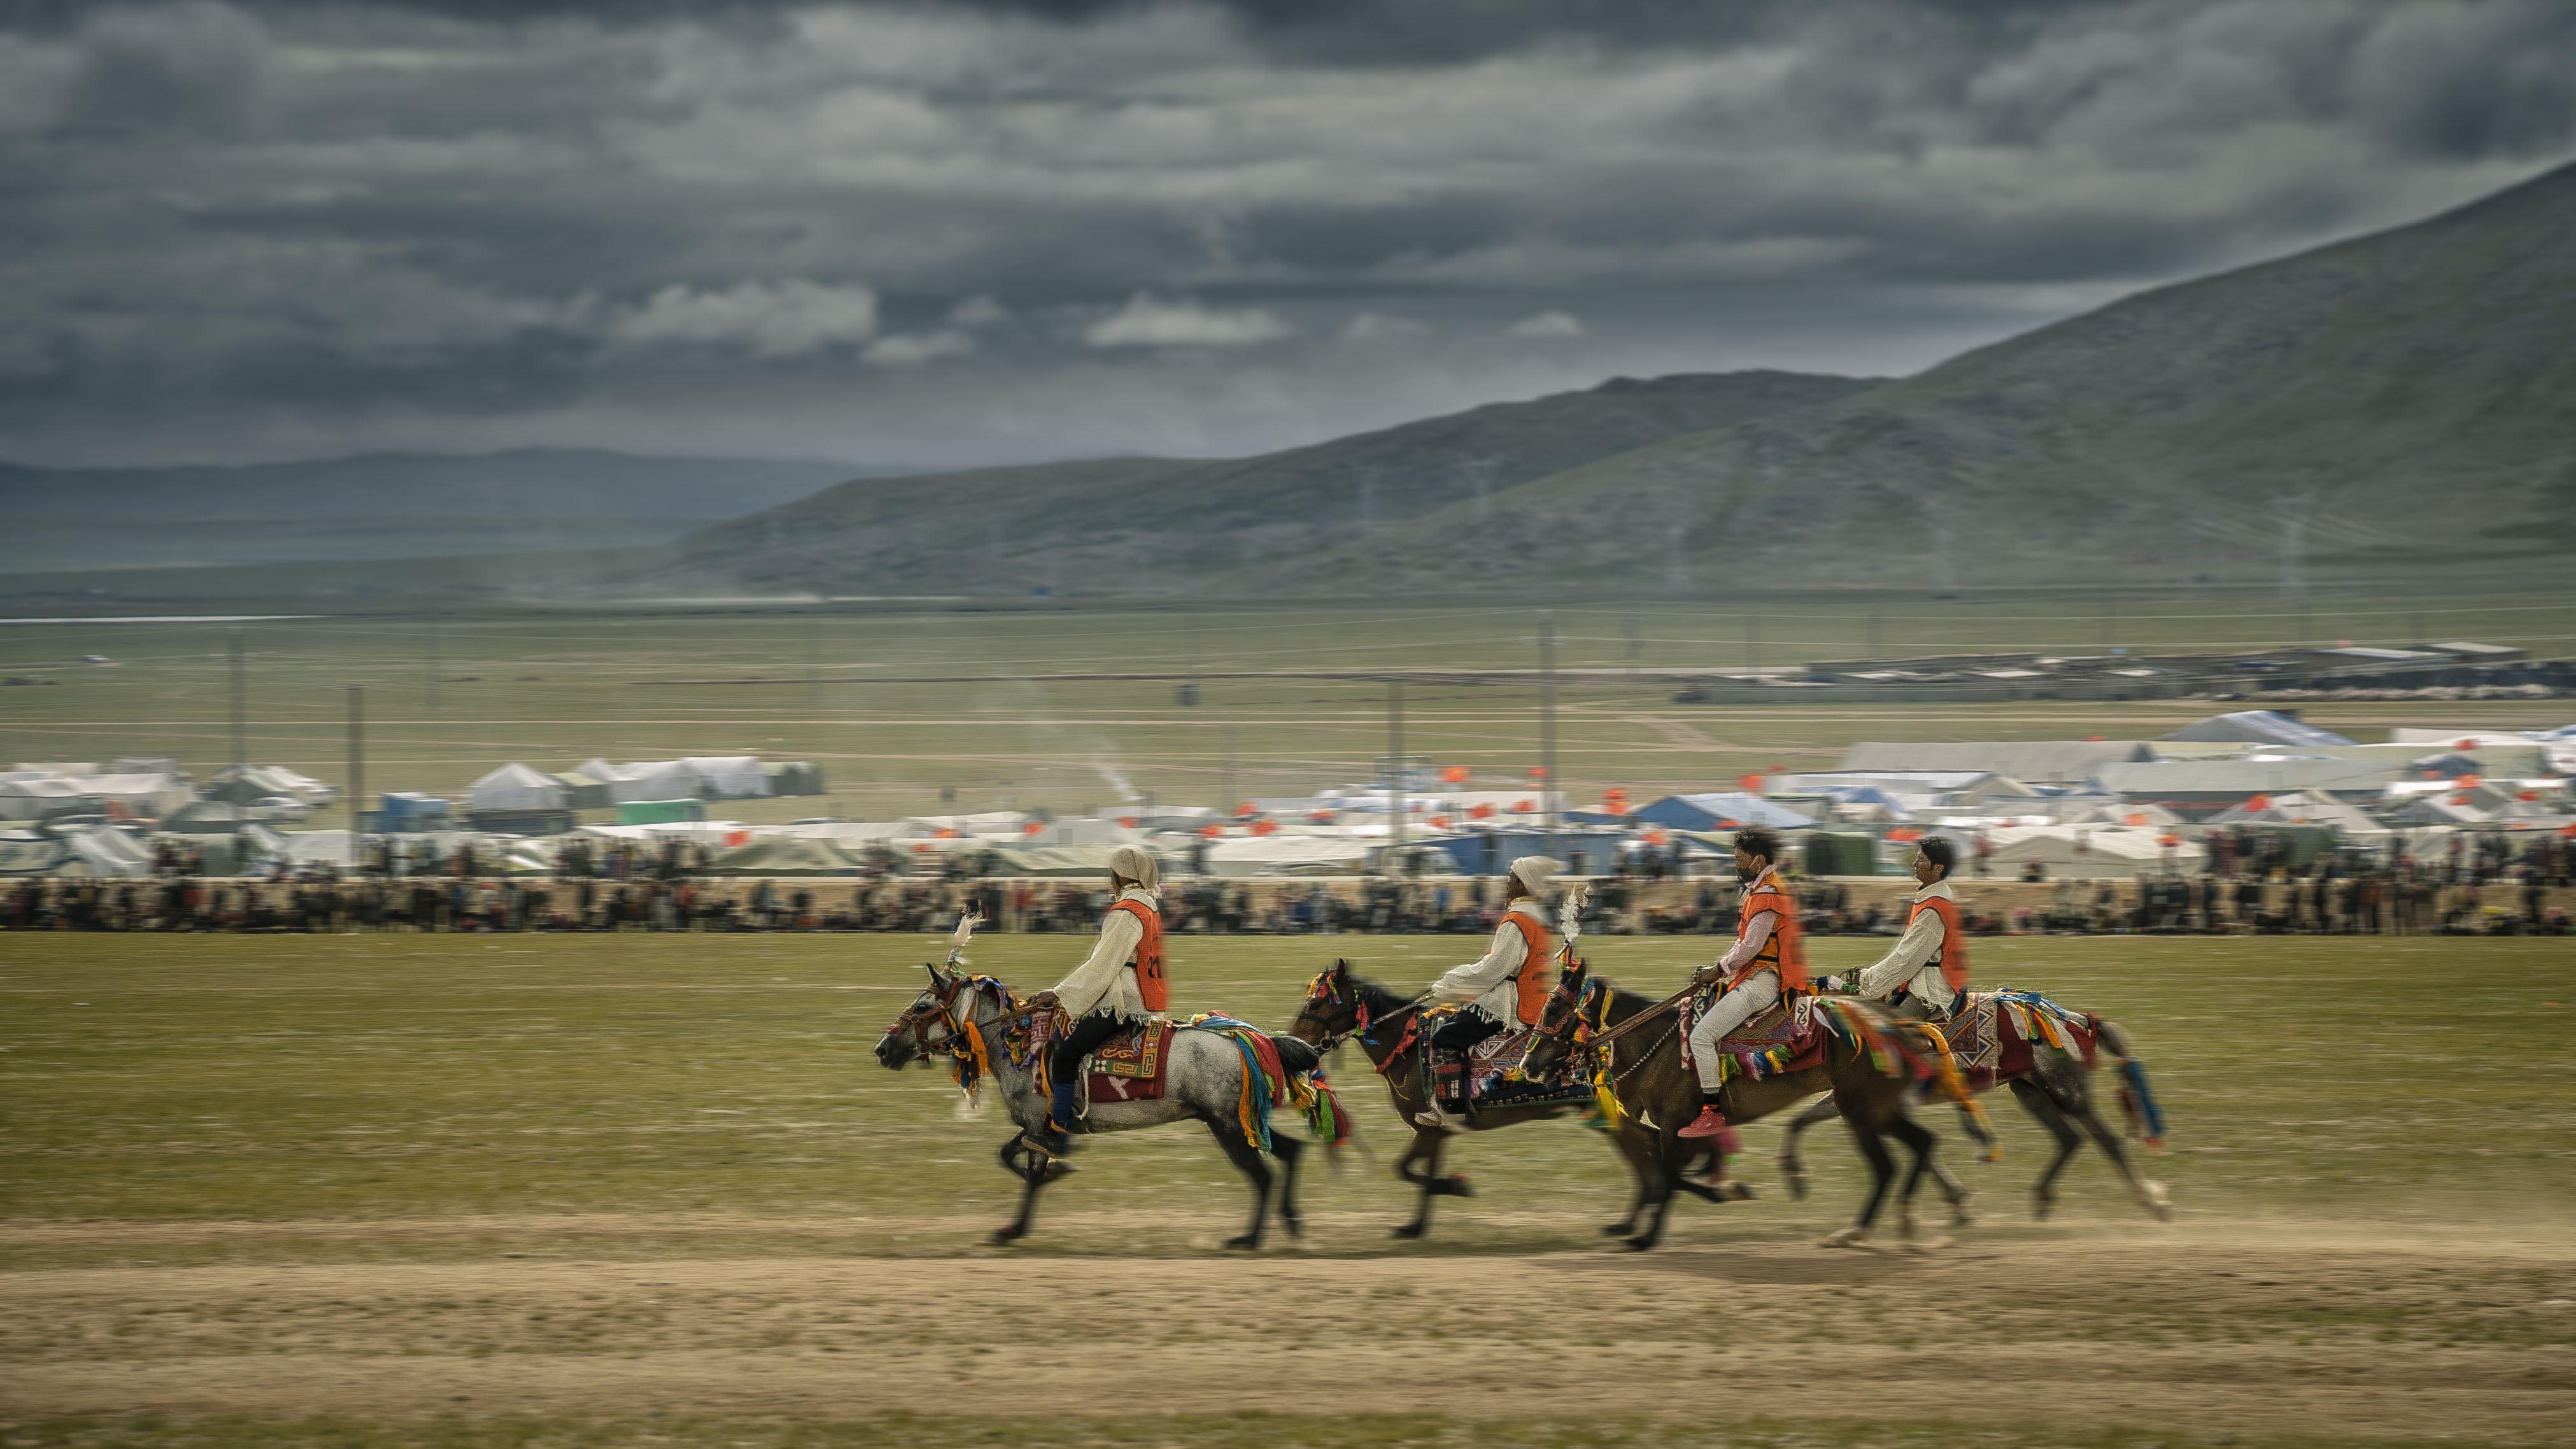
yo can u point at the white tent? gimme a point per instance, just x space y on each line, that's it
111 852
653 780
1287 855
515 787
728 777
2087 851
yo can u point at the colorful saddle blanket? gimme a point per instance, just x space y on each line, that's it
1495 1078
1129 1067
1789 1037
1996 1037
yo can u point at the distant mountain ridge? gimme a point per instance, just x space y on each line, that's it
1153 525
2399 405
524 483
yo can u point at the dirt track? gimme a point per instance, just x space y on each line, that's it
2323 1329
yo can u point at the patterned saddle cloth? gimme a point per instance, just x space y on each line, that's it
1129 1067
1495 1077
1997 1035
1789 1037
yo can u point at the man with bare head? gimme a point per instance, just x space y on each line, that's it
1767 962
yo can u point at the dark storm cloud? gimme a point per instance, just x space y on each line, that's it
976 231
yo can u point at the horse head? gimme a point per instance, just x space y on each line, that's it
1560 1019
1334 1009
925 1027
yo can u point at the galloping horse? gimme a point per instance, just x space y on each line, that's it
2057 1091
1342 1005
1660 1095
974 1018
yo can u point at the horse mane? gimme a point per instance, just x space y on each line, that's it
1380 998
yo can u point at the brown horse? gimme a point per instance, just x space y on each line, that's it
1342 1005
1660 1095
2057 1090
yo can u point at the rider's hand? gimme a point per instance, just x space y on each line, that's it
1042 1000
1708 975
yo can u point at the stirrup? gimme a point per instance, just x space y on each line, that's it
1453 1124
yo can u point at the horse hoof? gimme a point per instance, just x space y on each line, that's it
1844 1238
1004 1237
1296 1226
1244 1241
1617 1230
1457 1185
1638 1244
1409 1230
2039 1211
1735 1192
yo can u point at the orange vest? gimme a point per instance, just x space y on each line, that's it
1952 958
1786 951
1532 977
1150 985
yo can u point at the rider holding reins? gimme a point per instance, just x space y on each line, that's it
1120 985
1507 986
1767 962
1925 975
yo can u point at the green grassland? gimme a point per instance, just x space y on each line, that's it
421 1103
442 1077
553 687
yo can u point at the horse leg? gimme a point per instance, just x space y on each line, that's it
1921 1143
2036 1100
1638 1154
1792 1167
1424 1149
2148 1194
1289 1151
1247 1160
1031 1168
1882 1173
1671 1154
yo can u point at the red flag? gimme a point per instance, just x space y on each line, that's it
1319 817
1538 772
1455 774
737 837
1214 832
1439 822
2138 819
1034 827
1265 827
2259 802
1479 812
1246 808
1752 783
1524 806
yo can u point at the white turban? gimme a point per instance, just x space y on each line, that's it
1531 873
1137 864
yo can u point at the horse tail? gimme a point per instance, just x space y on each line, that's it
2137 1100
1312 1094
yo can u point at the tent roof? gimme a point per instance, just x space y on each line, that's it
789 855
2040 761
515 773
2258 726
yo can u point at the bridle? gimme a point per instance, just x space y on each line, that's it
1326 989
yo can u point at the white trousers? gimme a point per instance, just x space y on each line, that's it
1757 995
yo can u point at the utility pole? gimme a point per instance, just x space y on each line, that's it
1636 647
1395 777
241 703
1231 800
1873 633
429 663
357 767
1753 627
1547 726
813 662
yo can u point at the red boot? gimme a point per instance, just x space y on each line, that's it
1710 1123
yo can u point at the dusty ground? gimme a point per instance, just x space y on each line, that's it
447 1192
2282 1329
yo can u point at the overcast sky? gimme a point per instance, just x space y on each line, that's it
973 233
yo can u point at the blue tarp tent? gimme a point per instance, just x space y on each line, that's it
1721 812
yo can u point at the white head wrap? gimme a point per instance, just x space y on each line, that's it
1137 864
1531 873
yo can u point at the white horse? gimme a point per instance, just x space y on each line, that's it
970 1019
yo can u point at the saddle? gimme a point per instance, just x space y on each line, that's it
1128 1067
1493 1070
1789 1037
1996 1035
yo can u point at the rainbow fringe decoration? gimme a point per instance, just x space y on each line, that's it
1307 1092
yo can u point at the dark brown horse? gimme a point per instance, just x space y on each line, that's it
1659 1095
1342 1005
2057 1090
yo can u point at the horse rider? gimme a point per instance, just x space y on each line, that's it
1767 962
1118 987
1507 985
1924 977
